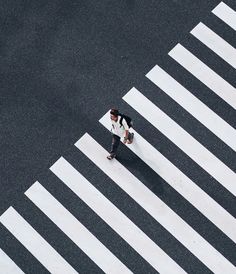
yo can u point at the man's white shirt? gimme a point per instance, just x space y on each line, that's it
119 130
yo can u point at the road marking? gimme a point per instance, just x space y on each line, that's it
182 139
206 75
7 266
153 205
77 232
35 243
226 14
193 105
114 218
215 43
181 183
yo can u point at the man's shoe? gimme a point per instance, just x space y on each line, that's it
111 156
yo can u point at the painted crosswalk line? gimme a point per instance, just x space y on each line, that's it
205 74
35 243
226 14
196 151
154 206
117 220
193 105
180 182
7 266
215 43
76 231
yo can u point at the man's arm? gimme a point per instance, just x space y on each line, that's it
126 127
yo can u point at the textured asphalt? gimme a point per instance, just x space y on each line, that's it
63 64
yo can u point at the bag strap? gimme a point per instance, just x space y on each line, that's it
121 119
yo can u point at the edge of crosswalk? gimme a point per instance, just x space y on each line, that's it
204 73
226 14
117 220
193 105
75 230
35 243
8 264
215 43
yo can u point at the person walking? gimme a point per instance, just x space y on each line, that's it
121 125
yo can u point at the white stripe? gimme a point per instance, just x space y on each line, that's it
78 233
226 14
182 139
7 266
193 105
181 183
114 218
174 177
35 243
154 206
215 43
206 75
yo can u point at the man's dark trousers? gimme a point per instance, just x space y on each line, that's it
116 141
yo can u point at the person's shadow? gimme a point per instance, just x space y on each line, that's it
144 173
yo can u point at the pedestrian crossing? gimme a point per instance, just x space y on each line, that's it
226 14
180 137
8 265
193 105
215 43
172 222
74 230
34 242
113 216
179 181
183 235
205 74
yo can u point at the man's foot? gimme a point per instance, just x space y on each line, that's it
111 156
130 141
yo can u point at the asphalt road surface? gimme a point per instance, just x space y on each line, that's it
167 203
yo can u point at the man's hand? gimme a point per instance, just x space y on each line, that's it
126 137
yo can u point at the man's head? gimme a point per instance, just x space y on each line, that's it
114 114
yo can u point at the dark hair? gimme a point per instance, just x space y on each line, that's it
114 111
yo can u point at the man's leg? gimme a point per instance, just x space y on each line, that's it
114 146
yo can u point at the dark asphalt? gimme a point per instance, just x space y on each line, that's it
63 64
